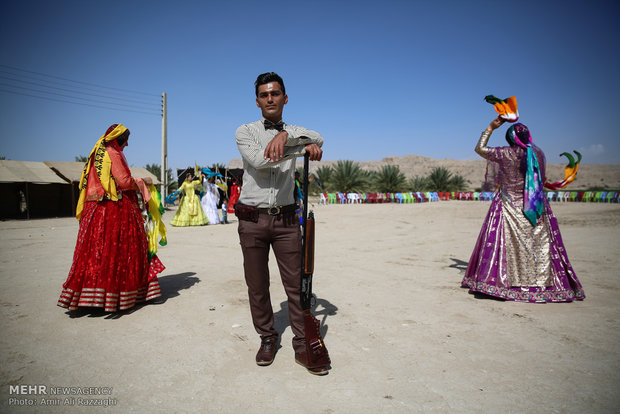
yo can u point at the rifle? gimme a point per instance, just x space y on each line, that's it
316 351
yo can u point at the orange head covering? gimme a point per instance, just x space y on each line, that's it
506 108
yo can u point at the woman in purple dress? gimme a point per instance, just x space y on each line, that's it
519 254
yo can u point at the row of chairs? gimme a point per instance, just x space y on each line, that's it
408 197
419 197
375 198
584 196
473 195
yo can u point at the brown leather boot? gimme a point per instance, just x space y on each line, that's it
267 351
302 359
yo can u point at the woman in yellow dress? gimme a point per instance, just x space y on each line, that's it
190 211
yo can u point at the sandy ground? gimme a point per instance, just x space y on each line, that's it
403 336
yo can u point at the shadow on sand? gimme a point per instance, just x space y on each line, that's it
321 308
462 267
170 286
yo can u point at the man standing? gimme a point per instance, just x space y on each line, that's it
266 212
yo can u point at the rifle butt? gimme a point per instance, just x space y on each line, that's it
316 350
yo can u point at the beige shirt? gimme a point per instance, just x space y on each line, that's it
266 183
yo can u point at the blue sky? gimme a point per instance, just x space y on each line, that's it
375 78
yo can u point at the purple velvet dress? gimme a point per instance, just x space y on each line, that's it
512 259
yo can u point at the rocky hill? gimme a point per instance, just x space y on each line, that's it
590 176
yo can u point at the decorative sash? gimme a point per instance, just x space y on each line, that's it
100 160
533 191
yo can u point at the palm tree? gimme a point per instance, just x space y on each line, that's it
371 180
390 179
316 185
217 167
440 179
155 169
348 177
81 158
419 184
458 183
323 177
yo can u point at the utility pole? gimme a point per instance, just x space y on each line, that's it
164 149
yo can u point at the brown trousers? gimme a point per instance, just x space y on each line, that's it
284 235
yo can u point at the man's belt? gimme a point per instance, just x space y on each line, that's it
250 213
279 210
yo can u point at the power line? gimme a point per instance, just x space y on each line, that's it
73 97
49 83
80 103
75 92
119 101
72 91
83 83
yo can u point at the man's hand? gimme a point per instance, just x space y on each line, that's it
275 148
316 153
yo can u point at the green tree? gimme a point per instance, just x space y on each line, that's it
458 183
81 158
371 180
440 179
314 187
348 177
323 175
390 179
155 169
217 167
418 184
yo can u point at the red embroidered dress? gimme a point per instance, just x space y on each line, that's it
111 267
235 191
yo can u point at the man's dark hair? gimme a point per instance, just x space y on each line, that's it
264 78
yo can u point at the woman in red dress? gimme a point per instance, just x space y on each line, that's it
235 191
111 266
